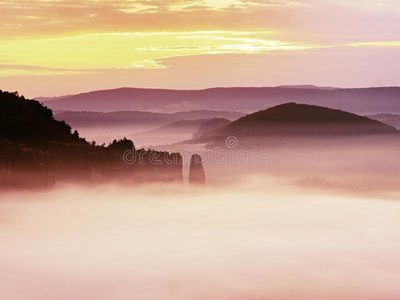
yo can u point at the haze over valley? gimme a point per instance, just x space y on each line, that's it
362 101
199 150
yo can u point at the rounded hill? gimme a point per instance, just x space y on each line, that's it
293 119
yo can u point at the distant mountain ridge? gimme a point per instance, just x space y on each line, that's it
307 86
390 119
171 133
246 99
210 125
294 120
98 119
178 131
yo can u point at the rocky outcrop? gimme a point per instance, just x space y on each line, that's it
197 176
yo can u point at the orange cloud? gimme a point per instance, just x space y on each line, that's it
106 38
311 20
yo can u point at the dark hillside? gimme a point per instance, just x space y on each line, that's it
302 119
37 151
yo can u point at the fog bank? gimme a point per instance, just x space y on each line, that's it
261 239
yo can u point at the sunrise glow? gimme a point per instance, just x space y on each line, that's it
43 41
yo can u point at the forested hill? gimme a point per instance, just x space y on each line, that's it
28 121
36 151
293 119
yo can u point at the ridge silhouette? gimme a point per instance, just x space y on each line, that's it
36 151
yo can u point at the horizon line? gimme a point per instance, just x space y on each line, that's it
288 86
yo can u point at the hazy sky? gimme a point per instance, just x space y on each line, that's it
68 46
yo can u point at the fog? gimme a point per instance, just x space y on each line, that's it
260 238
143 135
107 134
316 220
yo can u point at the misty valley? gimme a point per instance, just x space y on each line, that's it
150 204
199 149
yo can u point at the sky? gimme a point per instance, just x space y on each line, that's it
60 47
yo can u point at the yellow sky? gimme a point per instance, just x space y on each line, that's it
91 52
59 40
